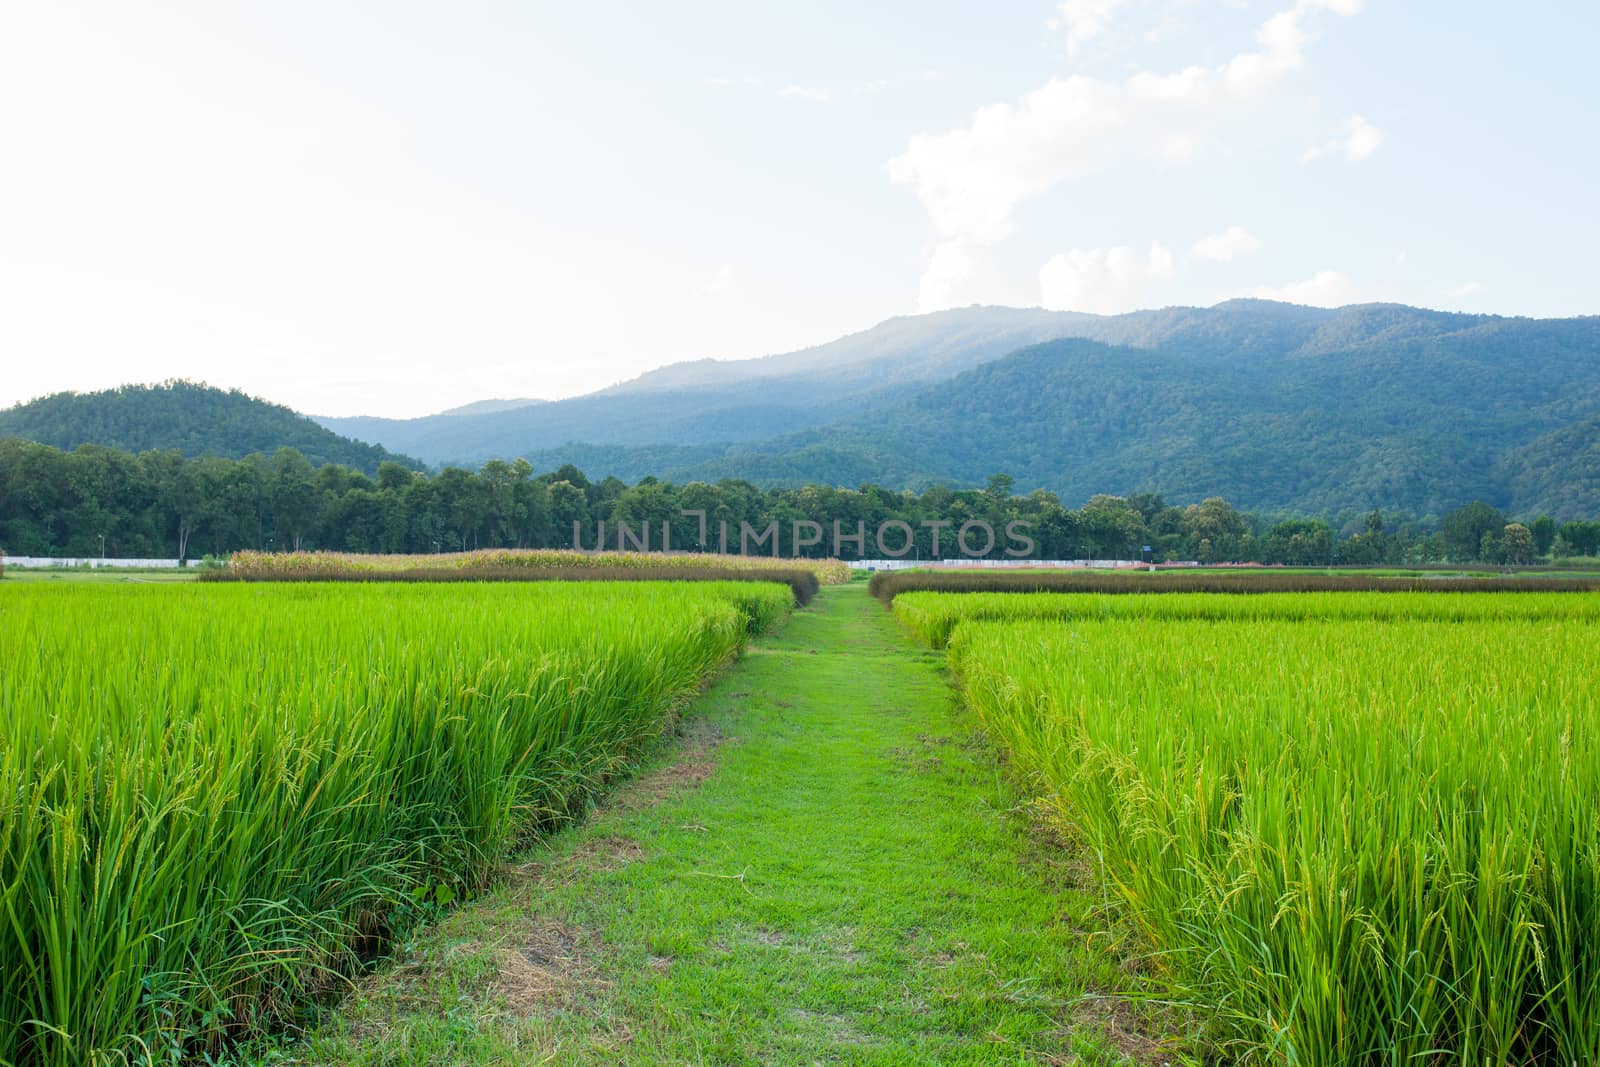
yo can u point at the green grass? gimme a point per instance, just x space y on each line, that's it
830 866
1360 838
101 574
212 797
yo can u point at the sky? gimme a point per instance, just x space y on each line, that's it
394 208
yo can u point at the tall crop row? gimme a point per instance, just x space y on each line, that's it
1357 840
502 561
210 794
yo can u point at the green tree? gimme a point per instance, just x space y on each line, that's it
395 476
1516 544
1225 531
569 511
1543 530
1300 542
1113 526
1464 529
293 499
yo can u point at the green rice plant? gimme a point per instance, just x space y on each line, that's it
933 616
213 797
887 585
268 565
1356 840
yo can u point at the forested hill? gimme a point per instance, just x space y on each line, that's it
1278 407
1375 407
747 401
195 419
691 404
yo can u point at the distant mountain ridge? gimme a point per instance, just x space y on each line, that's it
1278 407
734 400
489 407
745 401
192 418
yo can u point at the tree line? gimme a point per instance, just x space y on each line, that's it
159 504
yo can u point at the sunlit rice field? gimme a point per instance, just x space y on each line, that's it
1351 831
934 616
213 796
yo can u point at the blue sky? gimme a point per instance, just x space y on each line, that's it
395 208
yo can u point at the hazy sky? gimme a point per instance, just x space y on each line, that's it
392 208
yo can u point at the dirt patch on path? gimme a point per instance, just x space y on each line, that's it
692 763
548 964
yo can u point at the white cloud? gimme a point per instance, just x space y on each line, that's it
949 269
1469 290
1104 281
719 282
1177 147
1327 289
1086 19
1226 246
1357 140
819 93
961 273
972 179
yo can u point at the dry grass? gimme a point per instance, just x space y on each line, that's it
329 565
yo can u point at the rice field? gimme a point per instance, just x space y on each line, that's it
1353 829
888 585
215 797
934 616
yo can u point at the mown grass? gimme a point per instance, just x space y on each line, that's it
212 798
1356 839
101 575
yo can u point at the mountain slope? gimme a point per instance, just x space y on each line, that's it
488 407
1408 417
740 411
195 419
732 401
748 401
1557 474
1275 406
908 348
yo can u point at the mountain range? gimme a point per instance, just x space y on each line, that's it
1276 407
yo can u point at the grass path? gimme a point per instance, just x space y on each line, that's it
826 867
